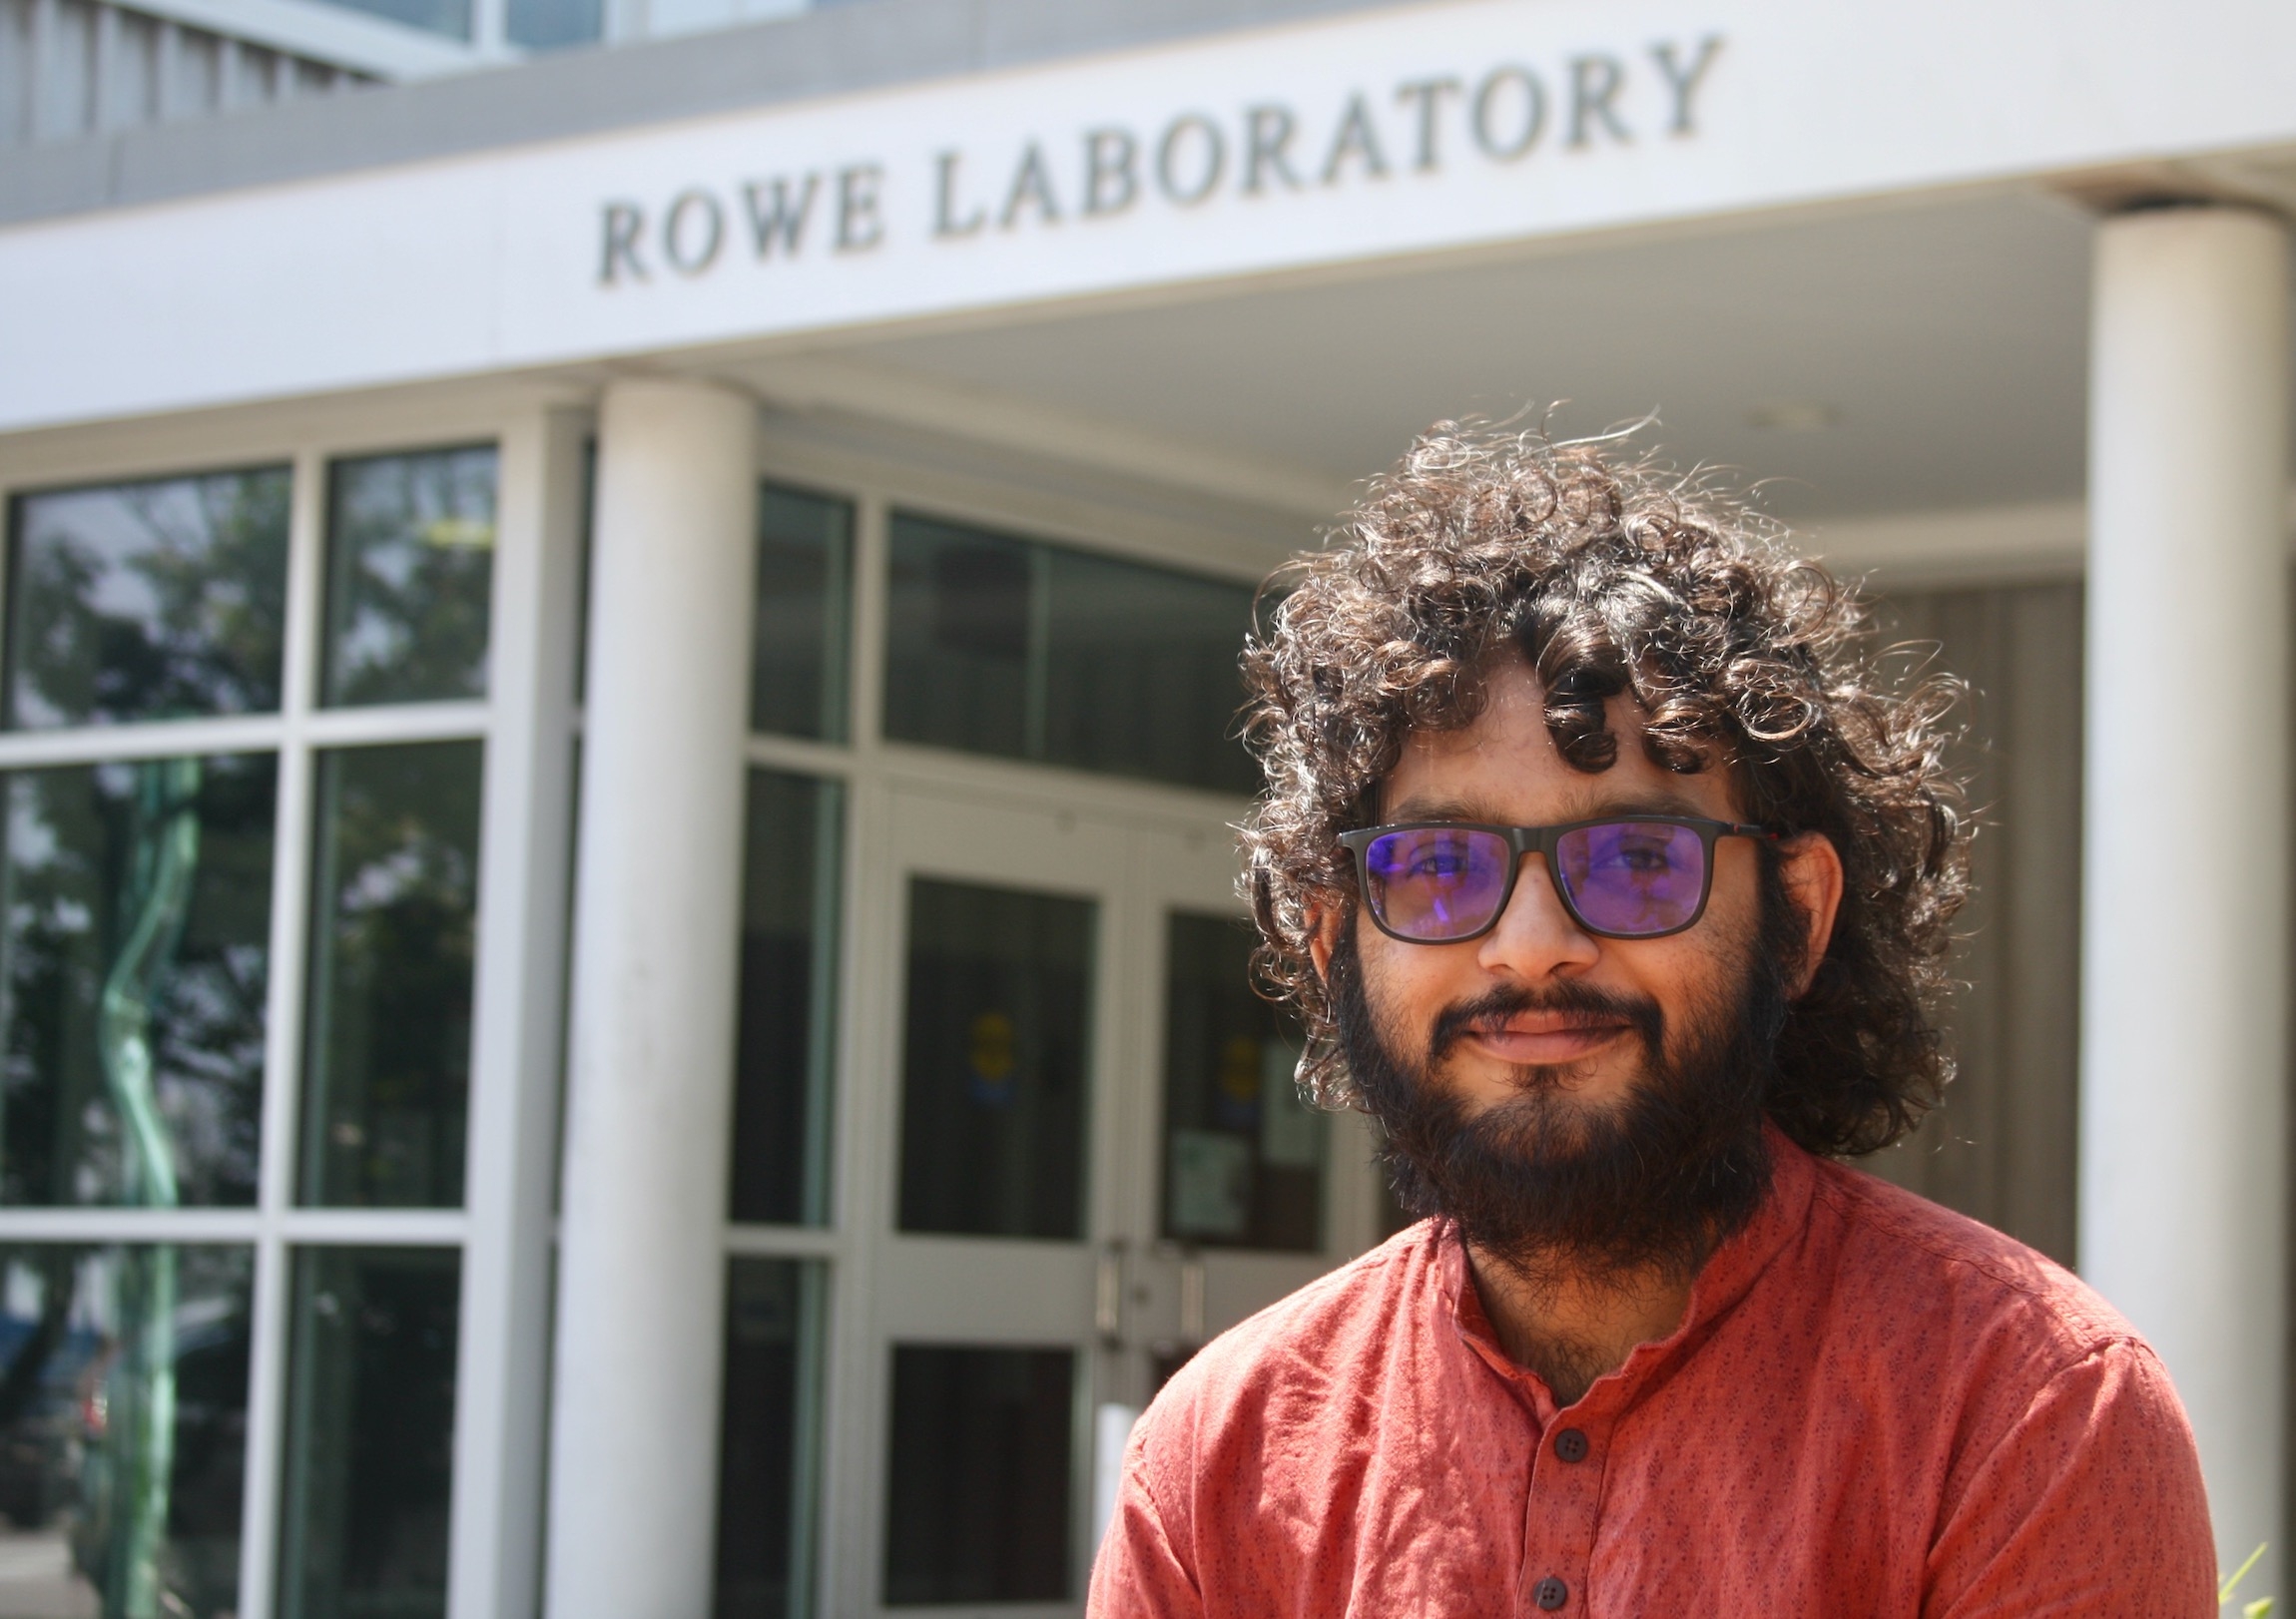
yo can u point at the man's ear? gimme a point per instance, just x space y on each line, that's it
1811 868
1322 937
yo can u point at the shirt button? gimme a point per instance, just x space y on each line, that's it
1570 1446
1551 1593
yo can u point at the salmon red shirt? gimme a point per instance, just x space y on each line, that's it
1871 1407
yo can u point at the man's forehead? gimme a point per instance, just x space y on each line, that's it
1505 768
1589 803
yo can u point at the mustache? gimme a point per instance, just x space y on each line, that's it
1568 998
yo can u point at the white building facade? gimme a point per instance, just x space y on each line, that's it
623 989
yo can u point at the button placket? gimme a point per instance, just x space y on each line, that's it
1561 1515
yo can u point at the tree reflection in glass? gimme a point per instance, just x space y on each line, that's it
135 903
410 571
370 1442
394 902
147 601
123 1429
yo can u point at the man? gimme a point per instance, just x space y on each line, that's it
1607 878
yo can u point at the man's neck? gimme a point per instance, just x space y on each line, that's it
1571 1327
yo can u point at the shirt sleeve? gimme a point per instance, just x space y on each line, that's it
1138 1574
2091 1503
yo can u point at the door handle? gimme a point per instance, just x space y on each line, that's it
1192 1298
1108 1295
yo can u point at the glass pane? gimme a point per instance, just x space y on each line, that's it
996 1066
770 1459
1243 1154
1142 675
449 17
547 25
147 601
959 637
369 1433
122 1429
411 575
781 1079
1005 646
804 595
394 896
977 1479
135 919
582 575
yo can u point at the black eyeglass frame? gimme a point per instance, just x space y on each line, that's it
1541 841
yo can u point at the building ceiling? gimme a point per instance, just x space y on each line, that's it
1895 359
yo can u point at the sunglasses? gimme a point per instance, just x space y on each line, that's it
1444 881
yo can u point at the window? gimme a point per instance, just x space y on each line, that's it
1011 647
394 901
147 601
769 1466
995 1065
410 569
149 883
134 921
449 17
549 25
1243 1154
792 872
803 613
793 848
978 1474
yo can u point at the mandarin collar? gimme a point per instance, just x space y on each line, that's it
1727 1276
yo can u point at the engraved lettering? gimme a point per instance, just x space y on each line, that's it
1356 138
860 226
1594 85
946 224
687 255
1209 159
623 223
775 218
1684 82
1429 94
1268 141
1509 113
1111 183
1032 187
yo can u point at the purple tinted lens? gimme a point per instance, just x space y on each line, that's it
1437 883
1632 876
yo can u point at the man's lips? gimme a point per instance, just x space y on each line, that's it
1545 1038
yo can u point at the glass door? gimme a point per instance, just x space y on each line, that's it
1247 1193
1090 1158
1010 956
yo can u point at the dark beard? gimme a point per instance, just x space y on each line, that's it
1552 1187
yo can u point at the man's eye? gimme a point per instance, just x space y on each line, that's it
1439 862
1646 862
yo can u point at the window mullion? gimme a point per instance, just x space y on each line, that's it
290 908
522 913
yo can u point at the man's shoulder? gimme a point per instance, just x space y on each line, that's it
1901 1257
1331 1333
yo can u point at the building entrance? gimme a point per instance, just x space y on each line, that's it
1092 1158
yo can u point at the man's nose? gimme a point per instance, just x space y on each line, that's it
1536 936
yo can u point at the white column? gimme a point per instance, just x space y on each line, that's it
2184 982
633 1468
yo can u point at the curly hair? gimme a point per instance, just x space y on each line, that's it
1614 577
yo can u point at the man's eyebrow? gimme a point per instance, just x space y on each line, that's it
1416 809
1577 807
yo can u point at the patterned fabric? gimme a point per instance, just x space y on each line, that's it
1872 1406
